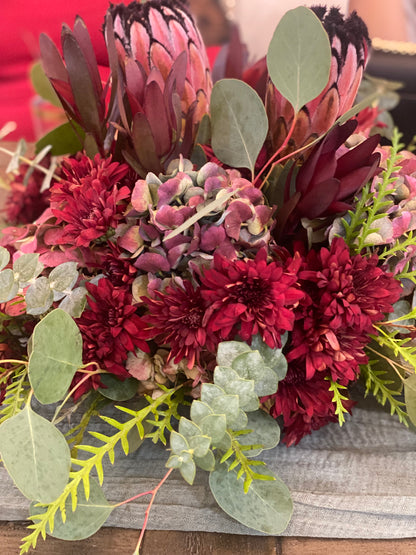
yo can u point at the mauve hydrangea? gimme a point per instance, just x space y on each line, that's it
159 206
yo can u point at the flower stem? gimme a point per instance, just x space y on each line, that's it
146 517
12 361
82 380
278 151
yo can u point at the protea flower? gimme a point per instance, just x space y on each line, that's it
167 82
350 43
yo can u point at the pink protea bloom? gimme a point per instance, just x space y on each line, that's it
350 44
167 79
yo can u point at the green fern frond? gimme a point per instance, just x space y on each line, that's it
337 399
379 388
17 392
372 205
237 458
401 347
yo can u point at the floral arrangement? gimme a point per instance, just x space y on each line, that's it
237 256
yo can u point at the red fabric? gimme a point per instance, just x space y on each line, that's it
21 23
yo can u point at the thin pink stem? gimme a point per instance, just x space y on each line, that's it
278 151
146 516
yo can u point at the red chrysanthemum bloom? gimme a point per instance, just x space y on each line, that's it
110 329
250 297
25 202
176 319
88 201
305 405
348 295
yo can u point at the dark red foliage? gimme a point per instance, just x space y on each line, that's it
328 180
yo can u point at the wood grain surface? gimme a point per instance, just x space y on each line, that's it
119 541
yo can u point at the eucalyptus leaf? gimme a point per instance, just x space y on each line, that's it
26 268
231 383
252 367
56 356
299 57
200 445
238 123
63 278
87 518
35 454
265 431
188 429
75 302
64 139
42 85
8 286
266 507
214 426
178 443
118 390
199 411
4 257
410 397
273 358
188 471
228 350
39 297
207 462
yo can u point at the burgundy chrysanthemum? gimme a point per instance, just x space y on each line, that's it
25 203
110 329
176 319
348 295
247 297
88 201
305 405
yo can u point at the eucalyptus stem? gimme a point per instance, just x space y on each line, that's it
146 516
72 391
278 151
13 361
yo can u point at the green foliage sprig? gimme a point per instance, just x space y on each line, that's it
41 291
17 392
337 399
45 519
380 387
371 206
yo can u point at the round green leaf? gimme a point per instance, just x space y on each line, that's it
228 350
26 268
238 122
75 302
64 139
299 57
39 297
8 286
231 383
178 443
252 367
267 506
199 411
42 85
118 390
56 356
207 462
265 431
188 429
273 358
4 257
62 279
87 518
36 455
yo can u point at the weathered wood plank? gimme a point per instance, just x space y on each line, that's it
123 541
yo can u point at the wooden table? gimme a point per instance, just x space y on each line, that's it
119 541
